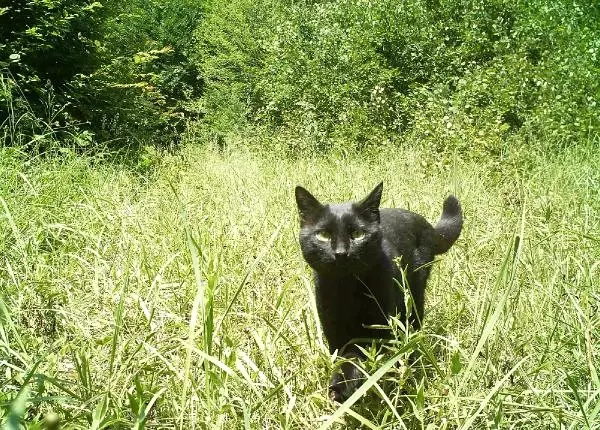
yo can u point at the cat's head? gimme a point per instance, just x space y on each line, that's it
339 238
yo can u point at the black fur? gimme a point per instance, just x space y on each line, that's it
355 276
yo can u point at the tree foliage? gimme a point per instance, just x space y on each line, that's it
146 85
471 75
43 46
451 72
115 70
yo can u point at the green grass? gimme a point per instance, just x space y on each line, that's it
177 297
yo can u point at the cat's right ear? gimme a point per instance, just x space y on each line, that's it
308 206
370 204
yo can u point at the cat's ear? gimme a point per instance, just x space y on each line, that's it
370 204
308 206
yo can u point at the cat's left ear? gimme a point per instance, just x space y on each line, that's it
370 204
308 206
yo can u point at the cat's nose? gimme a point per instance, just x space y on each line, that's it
341 254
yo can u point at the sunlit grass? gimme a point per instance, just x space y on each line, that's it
177 297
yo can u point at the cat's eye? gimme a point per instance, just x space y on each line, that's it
357 235
323 236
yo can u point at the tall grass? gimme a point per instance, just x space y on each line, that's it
178 298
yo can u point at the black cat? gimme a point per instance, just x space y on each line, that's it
354 249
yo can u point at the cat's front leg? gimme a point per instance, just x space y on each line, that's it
346 380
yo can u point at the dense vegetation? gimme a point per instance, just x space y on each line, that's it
471 75
149 272
74 69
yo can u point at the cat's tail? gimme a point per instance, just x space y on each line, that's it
449 225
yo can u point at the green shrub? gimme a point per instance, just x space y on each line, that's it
43 46
451 73
474 77
146 86
117 71
230 53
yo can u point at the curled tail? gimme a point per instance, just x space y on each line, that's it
449 225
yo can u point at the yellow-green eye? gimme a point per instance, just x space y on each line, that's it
323 236
357 235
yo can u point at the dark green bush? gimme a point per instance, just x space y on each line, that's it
146 86
43 46
71 69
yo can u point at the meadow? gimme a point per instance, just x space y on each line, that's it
174 295
150 273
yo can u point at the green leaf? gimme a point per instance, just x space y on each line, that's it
456 365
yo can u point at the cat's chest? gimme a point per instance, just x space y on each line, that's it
353 295
347 307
